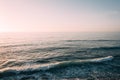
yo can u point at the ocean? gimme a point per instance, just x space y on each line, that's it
60 56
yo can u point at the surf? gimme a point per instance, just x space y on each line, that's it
34 68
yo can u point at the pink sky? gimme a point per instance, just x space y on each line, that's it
58 16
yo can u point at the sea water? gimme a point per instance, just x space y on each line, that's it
59 56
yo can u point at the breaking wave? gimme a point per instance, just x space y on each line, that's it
31 68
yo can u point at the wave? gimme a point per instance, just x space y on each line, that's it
89 40
46 49
107 48
17 45
34 68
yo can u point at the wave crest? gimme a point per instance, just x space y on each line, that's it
34 68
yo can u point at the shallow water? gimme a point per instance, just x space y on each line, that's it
59 56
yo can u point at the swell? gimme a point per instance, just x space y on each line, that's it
35 68
89 40
33 49
13 62
46 49
16 45
51 49
106 48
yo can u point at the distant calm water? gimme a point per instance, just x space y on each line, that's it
59 56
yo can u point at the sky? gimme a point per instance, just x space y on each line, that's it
59 15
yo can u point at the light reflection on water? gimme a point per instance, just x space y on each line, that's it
26 50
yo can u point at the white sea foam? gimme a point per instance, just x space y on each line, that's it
102 59
32 67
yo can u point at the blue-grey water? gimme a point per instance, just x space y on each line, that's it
60 56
